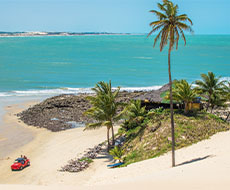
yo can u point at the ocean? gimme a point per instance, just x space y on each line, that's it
37 66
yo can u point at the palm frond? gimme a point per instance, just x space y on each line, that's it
91 126
170 24
184 26
182 34
156 28
159 15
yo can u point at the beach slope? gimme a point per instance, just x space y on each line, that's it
205 165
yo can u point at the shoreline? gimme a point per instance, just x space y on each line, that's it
68 90
48 152
14 134
197 165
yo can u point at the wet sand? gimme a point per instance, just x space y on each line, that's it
48 152
14 136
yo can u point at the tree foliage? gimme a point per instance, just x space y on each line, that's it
183 93
134 114
211 86
170 26
117 153
104 107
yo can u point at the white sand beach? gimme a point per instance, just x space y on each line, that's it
205 165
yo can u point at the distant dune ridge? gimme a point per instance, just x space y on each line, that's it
37 33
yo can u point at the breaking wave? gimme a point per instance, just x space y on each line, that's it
52 92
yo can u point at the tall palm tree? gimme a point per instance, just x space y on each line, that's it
209 85
170 26
183 92
104 108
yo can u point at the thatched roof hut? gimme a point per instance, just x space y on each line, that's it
155 96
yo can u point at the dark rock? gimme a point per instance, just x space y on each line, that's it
55 113
79 164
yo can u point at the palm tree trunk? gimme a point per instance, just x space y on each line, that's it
171 108
209 100
186 107
113 141
227 116
108 138
212 108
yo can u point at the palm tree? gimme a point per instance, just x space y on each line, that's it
218 100
134 110
227 92
104 108
117 153
134 114
209 85
183 92
170 25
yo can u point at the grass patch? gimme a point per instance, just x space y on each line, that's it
155 138
89 160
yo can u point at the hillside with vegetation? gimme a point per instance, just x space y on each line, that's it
152 136
148 134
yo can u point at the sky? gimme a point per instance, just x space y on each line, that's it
123 16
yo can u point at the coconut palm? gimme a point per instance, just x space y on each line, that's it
134 110
227 93
183 92
218 100
209 85
117 153
134 114
104 108
227 90
170 26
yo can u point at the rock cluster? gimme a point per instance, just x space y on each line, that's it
57 112
61 112
77 165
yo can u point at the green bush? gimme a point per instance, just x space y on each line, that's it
117 153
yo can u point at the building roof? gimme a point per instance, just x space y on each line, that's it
155 96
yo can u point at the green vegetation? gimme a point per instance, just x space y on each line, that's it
117 153
154 138
88 160
183 93
104 108
170 25
134 115
211 86
227 95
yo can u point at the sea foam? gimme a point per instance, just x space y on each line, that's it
53 92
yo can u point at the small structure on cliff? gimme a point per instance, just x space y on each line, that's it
155 98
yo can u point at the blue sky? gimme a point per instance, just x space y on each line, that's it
132 16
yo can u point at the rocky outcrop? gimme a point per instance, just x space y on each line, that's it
64 111
77 165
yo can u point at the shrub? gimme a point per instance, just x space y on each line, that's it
117 153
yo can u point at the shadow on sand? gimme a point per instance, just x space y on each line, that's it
104 155
195 160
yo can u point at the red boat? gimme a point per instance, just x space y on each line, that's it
20 163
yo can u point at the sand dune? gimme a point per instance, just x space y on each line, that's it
205 165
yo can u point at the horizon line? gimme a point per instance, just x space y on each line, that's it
87 32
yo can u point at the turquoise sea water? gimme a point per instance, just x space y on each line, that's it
71 64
